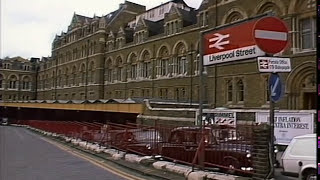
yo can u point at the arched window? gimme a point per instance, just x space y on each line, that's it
163 63
26 83
46 81
91 73
13 82
108 70
146 69
74 76
53 80
180 64
133 67
234 16
1 81
59 78
240 93
229 90
67 77
196 64
83 74
42 82
269 7
119 69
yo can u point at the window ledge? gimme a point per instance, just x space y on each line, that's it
236 106
303 51
267 105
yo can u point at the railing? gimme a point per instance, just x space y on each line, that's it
226 148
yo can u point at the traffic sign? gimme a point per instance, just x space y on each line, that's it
274 64
271 34
275 87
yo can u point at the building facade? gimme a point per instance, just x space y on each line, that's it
138 53
18 78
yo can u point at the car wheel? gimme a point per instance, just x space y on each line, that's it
232 165
311 175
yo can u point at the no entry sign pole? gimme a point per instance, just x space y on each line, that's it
271 115
271 36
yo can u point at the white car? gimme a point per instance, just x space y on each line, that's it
299 159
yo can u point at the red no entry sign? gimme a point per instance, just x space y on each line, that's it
271 34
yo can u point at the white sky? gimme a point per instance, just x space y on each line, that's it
28 27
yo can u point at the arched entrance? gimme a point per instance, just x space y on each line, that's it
301 87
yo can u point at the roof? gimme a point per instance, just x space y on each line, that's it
305 136
173 1
189 16
203 5
155 27
17 58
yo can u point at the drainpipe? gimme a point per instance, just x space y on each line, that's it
36 84
191 72
86 84
55 81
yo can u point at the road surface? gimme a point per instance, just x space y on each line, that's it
28 156
25 155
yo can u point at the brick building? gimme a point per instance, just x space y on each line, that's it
18 78
139 53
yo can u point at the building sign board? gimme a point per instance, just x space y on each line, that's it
274 64
229 44
245 40
220 118
288 125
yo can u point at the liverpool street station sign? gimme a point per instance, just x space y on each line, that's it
242 41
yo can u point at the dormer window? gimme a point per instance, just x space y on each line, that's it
139 36
203 18
151 14
6 66
26 68
161 10
110 45
93 28
119 43
172 27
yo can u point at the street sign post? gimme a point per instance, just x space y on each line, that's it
271 36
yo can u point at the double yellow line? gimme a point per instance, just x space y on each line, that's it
93 161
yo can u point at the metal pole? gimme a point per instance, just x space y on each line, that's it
201 151
271 133
200 81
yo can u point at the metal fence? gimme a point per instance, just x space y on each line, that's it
229 149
